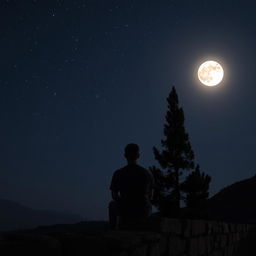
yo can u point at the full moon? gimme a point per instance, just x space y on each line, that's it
210 73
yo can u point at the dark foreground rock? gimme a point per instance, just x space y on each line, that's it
153 237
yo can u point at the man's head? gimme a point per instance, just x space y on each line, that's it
131 152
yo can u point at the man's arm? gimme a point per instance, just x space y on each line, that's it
115 195
114 187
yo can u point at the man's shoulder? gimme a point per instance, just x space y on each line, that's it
141 168
145 171
128 168
115 183
116 172
119 171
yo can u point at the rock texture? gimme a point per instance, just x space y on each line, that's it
153 237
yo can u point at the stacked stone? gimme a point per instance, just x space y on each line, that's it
153 237
180 237
198 237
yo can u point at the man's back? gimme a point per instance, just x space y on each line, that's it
133 182
131 188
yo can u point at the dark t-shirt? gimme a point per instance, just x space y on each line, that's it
134 183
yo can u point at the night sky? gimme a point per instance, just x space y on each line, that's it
81 79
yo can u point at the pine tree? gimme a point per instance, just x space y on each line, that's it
196 188
159 195
176 156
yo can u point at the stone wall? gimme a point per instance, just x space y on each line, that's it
154 237
174 237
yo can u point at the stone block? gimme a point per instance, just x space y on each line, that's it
239 228
177 246
140 251
228 251
163 245
193 247
202 246
209 241
186 228
216 242
198 227
250 227
129 239
231 238
173 226
223 240
216 253
153 250
165 225
210 226
225 228
123 253
243 235
232 228
237 237
216 227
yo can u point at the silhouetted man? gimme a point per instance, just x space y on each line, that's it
132 188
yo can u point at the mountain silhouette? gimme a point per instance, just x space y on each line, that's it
236 202
17 216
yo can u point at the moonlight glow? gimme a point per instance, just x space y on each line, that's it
210 73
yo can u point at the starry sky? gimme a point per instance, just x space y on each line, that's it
81 79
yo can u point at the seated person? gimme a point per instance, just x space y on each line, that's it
132 188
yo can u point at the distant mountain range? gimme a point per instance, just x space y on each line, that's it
236 202
16 216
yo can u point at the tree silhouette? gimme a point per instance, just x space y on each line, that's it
196 188
159 195
176 156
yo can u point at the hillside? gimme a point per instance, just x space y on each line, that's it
235 202
16 216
